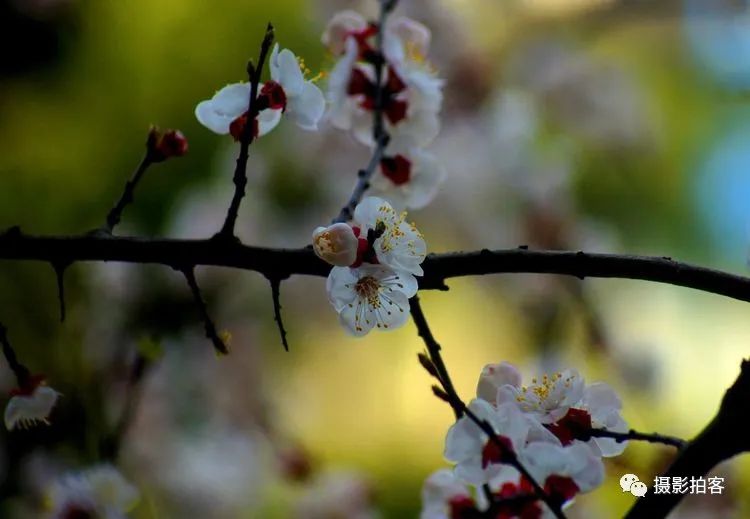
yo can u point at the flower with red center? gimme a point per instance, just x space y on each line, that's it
446 497
478 459
408 176
288 92
100 492
551 398
30 404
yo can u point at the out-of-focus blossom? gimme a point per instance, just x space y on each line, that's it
337 494
408 176
477 457
30 404
411 94
100 492
288 93
561 401
370 296
444 496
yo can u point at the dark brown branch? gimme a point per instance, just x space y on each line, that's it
127 196
23 376
433 350
211 332
282 263
247 137
59 269
275 296
620 437
725 437
379 135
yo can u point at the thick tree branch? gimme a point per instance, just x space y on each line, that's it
271 262
725 437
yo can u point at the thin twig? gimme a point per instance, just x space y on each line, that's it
127 196
275 289
379 135
433 349
632 434
19 370
247 137
211 332
59 269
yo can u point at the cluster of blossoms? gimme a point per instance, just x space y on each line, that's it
410 99
375 258
100 492
546 426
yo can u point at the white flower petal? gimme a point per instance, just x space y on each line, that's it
25 410
285 71
268 119
307 108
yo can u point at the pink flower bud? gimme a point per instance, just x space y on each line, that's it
167 144
336 244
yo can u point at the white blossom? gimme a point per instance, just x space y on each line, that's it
29 406
443 493
370 296
287 93
478 458
399 246
408 176
100 492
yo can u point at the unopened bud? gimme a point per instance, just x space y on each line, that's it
336 244
164 145
493 377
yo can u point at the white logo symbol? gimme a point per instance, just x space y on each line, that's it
631 483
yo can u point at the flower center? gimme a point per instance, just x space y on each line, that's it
396 169
496 451
544 394
368 288
463 507
272 96
77 512
237 127
576 424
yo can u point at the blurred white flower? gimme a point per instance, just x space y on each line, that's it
287 93
100 492
336 244
337 494
561 401
370 296
478 458
30 405
411 94
444 496
563 472
408 176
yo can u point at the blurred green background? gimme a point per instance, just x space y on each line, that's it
605 125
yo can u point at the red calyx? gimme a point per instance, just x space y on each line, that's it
560 488
365 252
574 425
463 507
163 145
237 127
273 96
396 169
394 109
29 386
496 451
521 508
366 50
